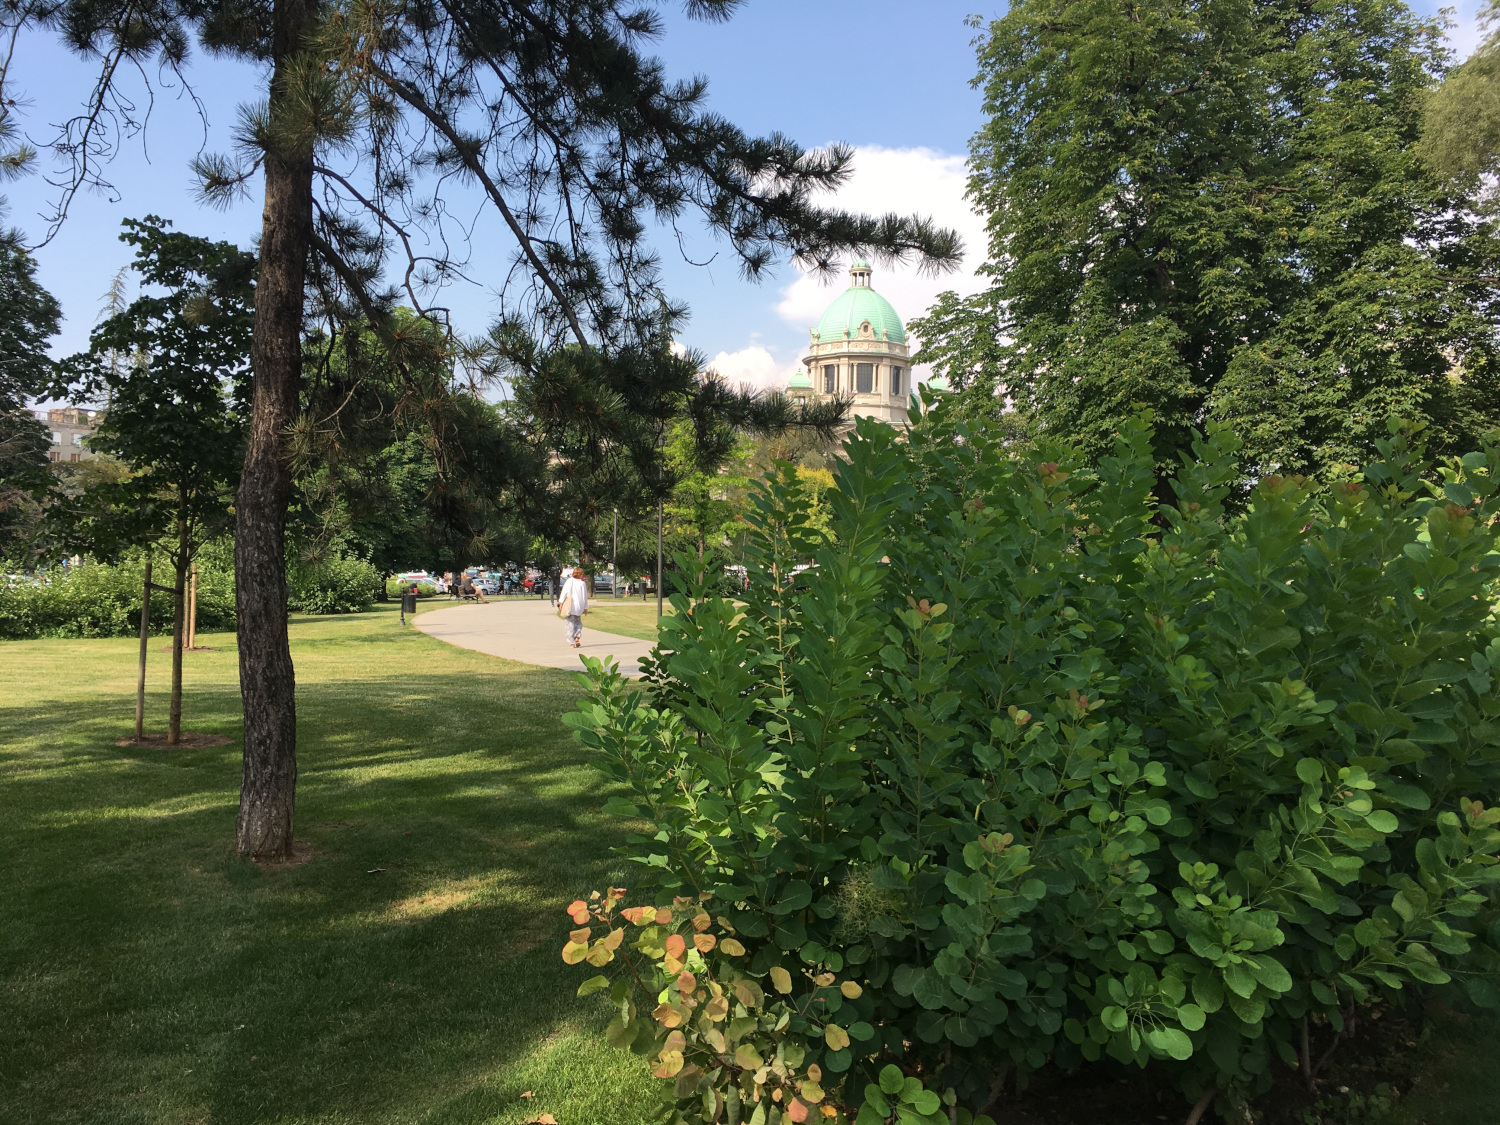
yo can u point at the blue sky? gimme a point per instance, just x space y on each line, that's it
891 78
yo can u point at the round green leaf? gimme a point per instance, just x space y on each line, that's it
1172 1041
891 1079
1382 820
926 1102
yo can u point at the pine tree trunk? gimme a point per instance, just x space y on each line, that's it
268 783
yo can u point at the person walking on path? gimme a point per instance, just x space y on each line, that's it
572 604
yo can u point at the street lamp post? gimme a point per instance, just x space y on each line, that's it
614 561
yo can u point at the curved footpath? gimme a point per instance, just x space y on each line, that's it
528 630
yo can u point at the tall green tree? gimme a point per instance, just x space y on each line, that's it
1217 210
1461 135
549 109
29 317
176 408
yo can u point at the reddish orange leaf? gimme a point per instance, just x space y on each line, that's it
579 911
705 942
667 1016
676 946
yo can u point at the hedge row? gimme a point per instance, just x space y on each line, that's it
95 600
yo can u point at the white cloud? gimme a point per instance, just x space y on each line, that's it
754 366
907 181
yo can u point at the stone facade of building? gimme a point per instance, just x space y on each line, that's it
859 351
69 429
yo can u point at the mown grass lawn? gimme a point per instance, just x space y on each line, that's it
625 617
408 973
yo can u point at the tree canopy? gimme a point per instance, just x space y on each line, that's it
1218 211
172 366
1461 136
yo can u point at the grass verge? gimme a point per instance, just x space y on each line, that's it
626 618
408 973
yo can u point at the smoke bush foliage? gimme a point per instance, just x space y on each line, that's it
1054 772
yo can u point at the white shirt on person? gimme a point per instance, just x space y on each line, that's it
575 591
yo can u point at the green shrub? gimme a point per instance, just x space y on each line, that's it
337 584
95 600
1050 772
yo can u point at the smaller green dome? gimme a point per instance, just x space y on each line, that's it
799 381
938 383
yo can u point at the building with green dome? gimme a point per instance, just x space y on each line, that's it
859 351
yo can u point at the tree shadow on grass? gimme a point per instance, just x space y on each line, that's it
399 976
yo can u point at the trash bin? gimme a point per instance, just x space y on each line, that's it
408 603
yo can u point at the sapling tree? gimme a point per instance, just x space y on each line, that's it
372 114
176 408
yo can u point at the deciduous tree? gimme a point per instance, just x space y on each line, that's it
176 408
1218 210
1461 133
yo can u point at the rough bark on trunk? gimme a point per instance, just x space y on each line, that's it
268 782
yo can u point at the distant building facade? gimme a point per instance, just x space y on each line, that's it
69 428
859 351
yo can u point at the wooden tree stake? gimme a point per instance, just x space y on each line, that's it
193 609
140 683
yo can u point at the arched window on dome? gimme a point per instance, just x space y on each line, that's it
830 378
864 378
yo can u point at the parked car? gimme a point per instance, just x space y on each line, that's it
486 585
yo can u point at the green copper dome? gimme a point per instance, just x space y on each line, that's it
800 380
856 305
938 383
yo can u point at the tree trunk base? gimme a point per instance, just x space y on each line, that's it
301 852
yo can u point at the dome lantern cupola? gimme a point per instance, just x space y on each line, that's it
859 274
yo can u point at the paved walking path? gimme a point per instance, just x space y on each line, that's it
528 630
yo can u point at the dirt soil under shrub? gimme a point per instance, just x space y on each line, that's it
1379 1059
